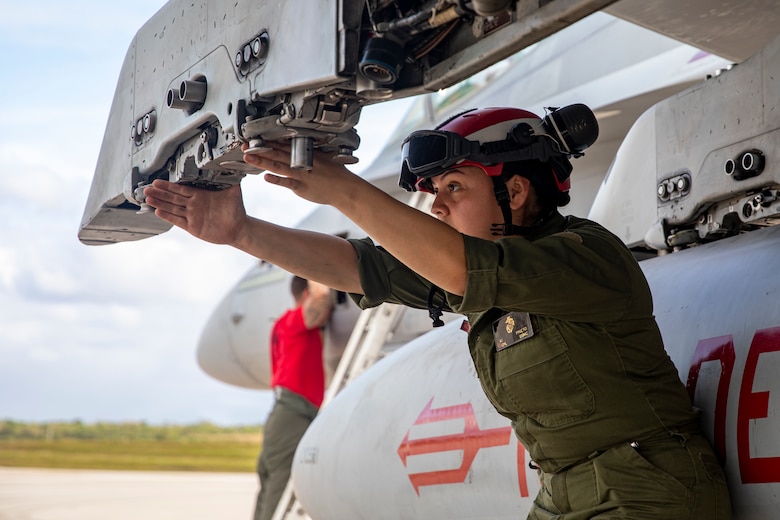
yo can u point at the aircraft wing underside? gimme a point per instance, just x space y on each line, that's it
733 29
201 78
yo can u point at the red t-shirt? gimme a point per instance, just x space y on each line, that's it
296 357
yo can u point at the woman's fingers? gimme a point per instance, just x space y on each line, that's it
165 196
171 218
285 182
266 163
277 160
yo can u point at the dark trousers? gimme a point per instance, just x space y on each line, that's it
286 424
672 478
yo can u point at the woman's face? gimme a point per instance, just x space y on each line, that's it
465 201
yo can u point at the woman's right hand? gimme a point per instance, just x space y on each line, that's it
214 216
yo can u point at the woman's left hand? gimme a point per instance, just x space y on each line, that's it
328 182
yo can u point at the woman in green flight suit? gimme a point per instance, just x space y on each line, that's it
562 333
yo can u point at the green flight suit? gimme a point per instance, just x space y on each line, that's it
566 346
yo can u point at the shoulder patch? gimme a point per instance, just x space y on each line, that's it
571 235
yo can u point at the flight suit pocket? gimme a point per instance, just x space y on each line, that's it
537 378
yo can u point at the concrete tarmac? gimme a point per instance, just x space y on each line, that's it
66 494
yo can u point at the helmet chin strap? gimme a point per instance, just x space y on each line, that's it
508 228
435 311
502 196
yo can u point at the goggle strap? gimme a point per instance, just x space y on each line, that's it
502 197
536 151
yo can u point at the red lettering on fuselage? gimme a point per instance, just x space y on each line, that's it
751 405
755 405
712 349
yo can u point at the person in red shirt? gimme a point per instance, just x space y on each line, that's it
298 382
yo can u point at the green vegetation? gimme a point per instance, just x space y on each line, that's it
129 446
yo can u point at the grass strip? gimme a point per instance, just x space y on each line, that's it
149 455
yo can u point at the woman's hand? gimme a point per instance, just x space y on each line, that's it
328 182
214 216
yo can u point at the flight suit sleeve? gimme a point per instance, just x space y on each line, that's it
385 279
570 276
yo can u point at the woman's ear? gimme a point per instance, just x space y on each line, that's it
519 191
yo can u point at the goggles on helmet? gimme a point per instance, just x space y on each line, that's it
427 153
500 135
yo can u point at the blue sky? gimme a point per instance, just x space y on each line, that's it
93 333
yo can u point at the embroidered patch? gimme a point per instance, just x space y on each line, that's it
512 328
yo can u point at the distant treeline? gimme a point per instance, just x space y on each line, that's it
124 431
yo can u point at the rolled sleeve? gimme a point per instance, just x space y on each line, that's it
385 279
482 260
373 278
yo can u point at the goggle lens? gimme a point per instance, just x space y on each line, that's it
425 151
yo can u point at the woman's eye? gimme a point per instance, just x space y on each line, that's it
453 187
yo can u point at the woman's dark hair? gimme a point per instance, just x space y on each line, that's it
542 180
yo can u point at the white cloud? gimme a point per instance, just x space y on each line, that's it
8 266
43 23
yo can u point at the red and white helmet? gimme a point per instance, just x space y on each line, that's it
489 137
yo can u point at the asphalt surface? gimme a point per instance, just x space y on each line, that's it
63 494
